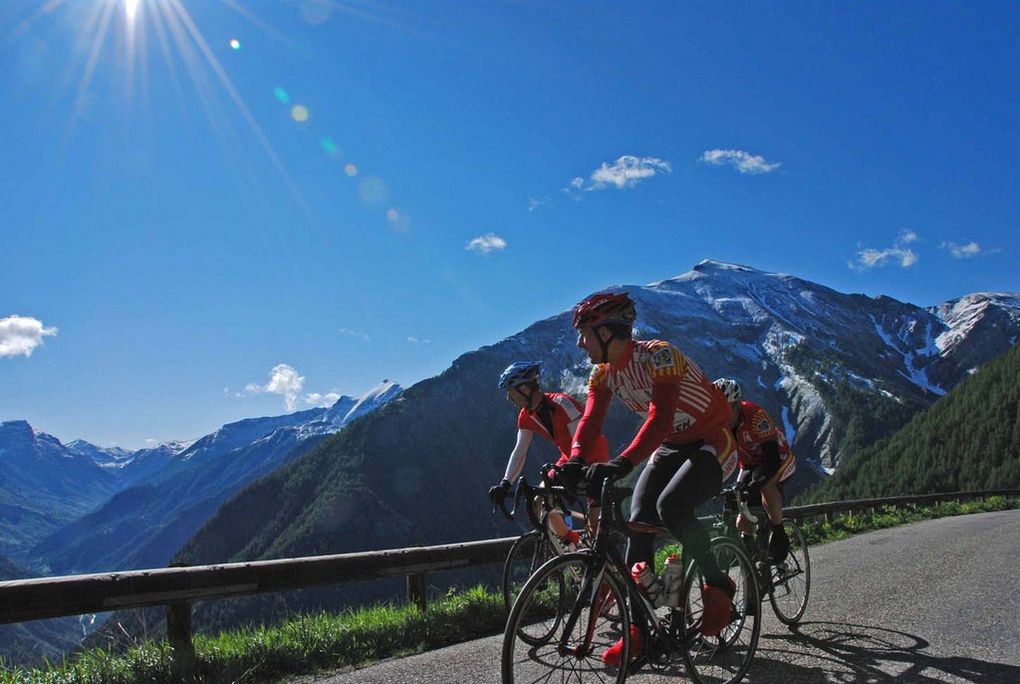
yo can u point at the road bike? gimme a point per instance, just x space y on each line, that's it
576 605
535 547
787 582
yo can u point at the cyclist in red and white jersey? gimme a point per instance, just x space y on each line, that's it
765 461
684 433
552 416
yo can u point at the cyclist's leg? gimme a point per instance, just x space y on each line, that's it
554 521
772 497
743 525
696 481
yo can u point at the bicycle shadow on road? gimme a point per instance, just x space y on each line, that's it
830 651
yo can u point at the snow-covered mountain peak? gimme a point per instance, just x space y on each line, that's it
347 409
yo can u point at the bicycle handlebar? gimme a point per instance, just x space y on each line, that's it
736 493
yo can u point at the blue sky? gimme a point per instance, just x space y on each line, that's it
354 191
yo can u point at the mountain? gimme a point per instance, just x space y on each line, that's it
38 640
43 484
967 440
144 524
838 371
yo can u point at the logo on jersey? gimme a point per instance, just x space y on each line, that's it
663 358
763 425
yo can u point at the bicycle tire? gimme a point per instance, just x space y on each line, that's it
791 579
526 555
550 600
723 659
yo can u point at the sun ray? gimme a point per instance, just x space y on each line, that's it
104 18
48 8
224 79
164 44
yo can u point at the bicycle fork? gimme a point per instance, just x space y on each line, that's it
592 592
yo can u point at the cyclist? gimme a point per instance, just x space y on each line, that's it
765 462
684 433
552 416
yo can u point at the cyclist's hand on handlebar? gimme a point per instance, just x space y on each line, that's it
751 492
598 473
570 475
499 492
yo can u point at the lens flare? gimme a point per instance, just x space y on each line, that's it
299 113
235 43
330 146
399 220
351 170
282 95
373 191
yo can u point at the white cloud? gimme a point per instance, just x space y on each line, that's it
537 202
283 380
744 162
150 440
971 249
486 243
627 171
20 335
325 400
415 340
355 333
869 257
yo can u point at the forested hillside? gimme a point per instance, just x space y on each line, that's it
968 440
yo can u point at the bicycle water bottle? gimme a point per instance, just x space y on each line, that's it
672 577
643 574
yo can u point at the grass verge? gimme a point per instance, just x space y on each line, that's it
324 641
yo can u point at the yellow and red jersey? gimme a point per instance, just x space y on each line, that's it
659 382
754 428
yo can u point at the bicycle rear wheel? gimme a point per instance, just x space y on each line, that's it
525 557
791 579
723 659
559 625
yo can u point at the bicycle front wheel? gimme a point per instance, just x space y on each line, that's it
791 578
564 618
722 659
525 557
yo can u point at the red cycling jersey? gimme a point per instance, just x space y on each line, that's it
754 428
658 381
565 412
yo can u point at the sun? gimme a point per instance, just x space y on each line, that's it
131 9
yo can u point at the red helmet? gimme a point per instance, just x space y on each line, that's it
603 308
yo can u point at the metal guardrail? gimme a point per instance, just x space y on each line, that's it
177 587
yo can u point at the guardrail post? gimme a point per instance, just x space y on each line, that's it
178 633
416 591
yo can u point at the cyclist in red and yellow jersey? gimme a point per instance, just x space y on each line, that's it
765 461
684 433
552 416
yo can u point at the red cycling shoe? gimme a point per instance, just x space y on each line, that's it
614 654
717 605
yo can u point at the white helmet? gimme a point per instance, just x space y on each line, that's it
730 389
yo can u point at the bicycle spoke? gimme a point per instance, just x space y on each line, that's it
557 630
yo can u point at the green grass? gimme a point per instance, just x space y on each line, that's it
312 643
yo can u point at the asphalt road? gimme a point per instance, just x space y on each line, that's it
933 601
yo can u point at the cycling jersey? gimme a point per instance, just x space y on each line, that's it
554 420
659 382
754 428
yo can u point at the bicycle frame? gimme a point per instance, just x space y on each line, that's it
605 558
